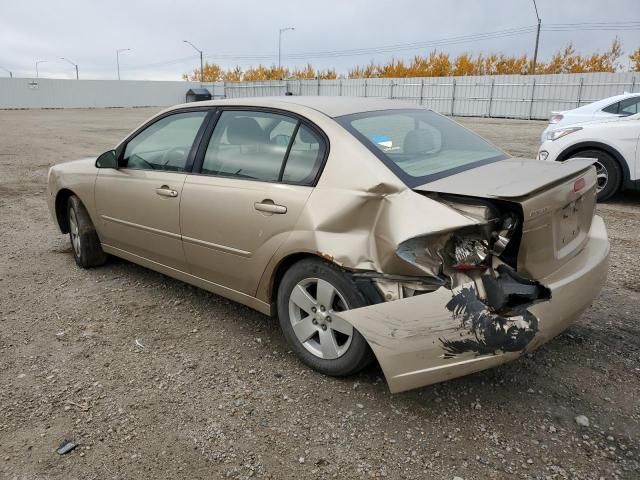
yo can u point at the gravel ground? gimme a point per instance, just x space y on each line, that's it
210 390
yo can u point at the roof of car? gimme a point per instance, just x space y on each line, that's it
330 106
598 104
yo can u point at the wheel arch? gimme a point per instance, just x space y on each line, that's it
278 272
62 216
365 286
617 156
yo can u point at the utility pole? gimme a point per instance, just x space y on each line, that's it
535 52
201 64
75 65
37 63
280 42
9 71
118 58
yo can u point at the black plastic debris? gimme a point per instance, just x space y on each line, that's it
66 446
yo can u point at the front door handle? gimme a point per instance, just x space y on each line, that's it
165 191
268 206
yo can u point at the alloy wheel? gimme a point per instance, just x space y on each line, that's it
74 230
602 177
312 305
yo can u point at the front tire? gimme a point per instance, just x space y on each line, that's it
310 292
85 243
609 174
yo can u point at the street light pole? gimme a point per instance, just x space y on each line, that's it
75 65
201 64
280 43
7 70
118 58
535 52
38 62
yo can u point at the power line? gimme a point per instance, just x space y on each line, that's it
603 26
382 49
403 47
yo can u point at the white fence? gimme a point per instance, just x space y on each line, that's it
514 96
54 93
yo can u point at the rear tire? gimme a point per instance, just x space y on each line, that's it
344 351
85 243
608 171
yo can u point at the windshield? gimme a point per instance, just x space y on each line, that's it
420 145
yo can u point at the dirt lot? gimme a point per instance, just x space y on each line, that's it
215 392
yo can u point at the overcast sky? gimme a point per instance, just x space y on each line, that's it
88 32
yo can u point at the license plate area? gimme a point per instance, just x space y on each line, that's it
569 231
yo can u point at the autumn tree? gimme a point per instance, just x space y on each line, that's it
435 64
328 74
568 61
233 75
635 60
212 73
306 73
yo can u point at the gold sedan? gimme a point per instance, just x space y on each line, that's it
373 229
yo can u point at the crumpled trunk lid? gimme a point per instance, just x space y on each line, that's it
557 201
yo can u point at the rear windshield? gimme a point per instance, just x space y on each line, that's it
420 145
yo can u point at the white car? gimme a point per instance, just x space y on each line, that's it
617 107
613 142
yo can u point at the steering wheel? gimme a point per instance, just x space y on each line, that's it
167 156
136 158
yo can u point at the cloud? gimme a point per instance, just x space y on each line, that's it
230 31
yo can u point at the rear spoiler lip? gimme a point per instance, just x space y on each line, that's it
519 186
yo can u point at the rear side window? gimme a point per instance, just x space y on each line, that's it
305 157
249 145
629 106
165 144
263 146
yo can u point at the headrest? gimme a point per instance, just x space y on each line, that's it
245 131
419 141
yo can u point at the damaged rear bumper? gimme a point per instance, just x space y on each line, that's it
444 334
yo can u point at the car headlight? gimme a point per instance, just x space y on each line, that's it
561 132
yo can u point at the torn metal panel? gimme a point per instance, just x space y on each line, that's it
444 334
361 230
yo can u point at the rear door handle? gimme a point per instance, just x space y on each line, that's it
165 191
268 206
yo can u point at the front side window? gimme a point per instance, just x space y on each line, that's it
420 145
165 144
263 146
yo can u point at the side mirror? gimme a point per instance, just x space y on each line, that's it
107 160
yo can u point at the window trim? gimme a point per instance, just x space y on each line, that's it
301 120
120 149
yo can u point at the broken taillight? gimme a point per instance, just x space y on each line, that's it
470 254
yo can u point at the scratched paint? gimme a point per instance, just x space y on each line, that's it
489 332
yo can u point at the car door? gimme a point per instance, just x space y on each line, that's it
138 204
257 171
